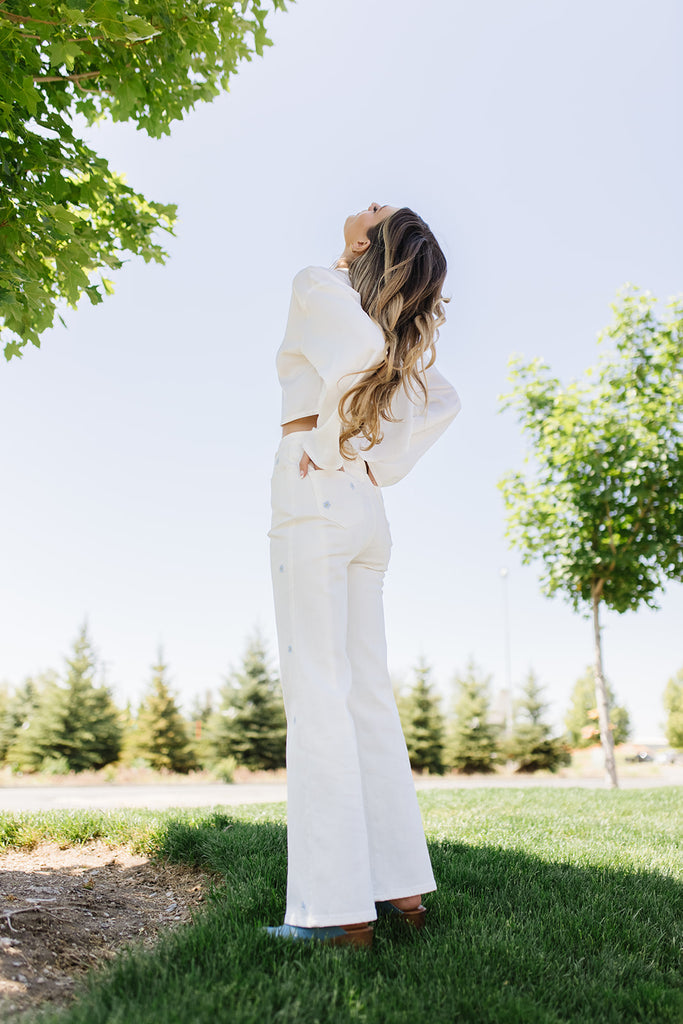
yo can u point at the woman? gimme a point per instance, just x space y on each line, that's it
361 402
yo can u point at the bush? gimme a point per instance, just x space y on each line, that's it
55 766
225 769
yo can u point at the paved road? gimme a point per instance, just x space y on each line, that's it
52 798
48 798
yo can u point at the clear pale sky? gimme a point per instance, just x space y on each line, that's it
542 142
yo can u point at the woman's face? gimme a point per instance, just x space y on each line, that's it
356 226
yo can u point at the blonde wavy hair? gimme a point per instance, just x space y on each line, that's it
399 279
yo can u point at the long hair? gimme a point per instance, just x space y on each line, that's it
399 278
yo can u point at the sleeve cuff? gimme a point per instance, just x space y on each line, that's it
322 447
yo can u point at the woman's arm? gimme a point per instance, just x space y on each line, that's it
405 442
341 341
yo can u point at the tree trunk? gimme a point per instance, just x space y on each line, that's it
606 737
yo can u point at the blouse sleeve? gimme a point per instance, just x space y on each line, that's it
341 341
406 441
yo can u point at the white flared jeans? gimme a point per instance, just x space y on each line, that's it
354 830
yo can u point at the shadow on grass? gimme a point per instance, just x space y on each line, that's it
511 938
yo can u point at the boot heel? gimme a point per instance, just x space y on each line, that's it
353 937
417 918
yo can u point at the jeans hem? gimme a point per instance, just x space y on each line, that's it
406 891
327 920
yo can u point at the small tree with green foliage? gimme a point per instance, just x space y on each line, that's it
602 506
673 705
202 709
423 722
19 712
75 721
472 738
5 699
64 214
582 719
17 708
91 718
250 723
128 719
37 739
531 744
161 735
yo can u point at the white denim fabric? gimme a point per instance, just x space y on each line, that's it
354 829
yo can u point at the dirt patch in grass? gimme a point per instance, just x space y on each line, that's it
65 910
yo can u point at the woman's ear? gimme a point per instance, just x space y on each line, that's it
359 246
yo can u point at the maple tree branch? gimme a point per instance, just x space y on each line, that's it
97 92
612 545
21 18
27 35
66 78
610 531
17 18
643 511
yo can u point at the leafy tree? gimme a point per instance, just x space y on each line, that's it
673 704
472 738
582 719
531 743
250 723
423 722
75 720
64 213
601 508
161 735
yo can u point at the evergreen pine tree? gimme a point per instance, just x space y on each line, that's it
472 739
161 734
5 699
673 704
38 722
91 730
583 729
250 722
531 744
129 724
74 721
18 710
201 711
423 722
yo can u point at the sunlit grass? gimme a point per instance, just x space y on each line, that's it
552 906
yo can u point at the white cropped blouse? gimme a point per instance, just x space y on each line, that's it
329 343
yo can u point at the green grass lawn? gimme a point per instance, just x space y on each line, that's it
553 906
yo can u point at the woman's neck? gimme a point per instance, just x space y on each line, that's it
345 260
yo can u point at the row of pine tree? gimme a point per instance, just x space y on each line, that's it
56 724
469 737
70 722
